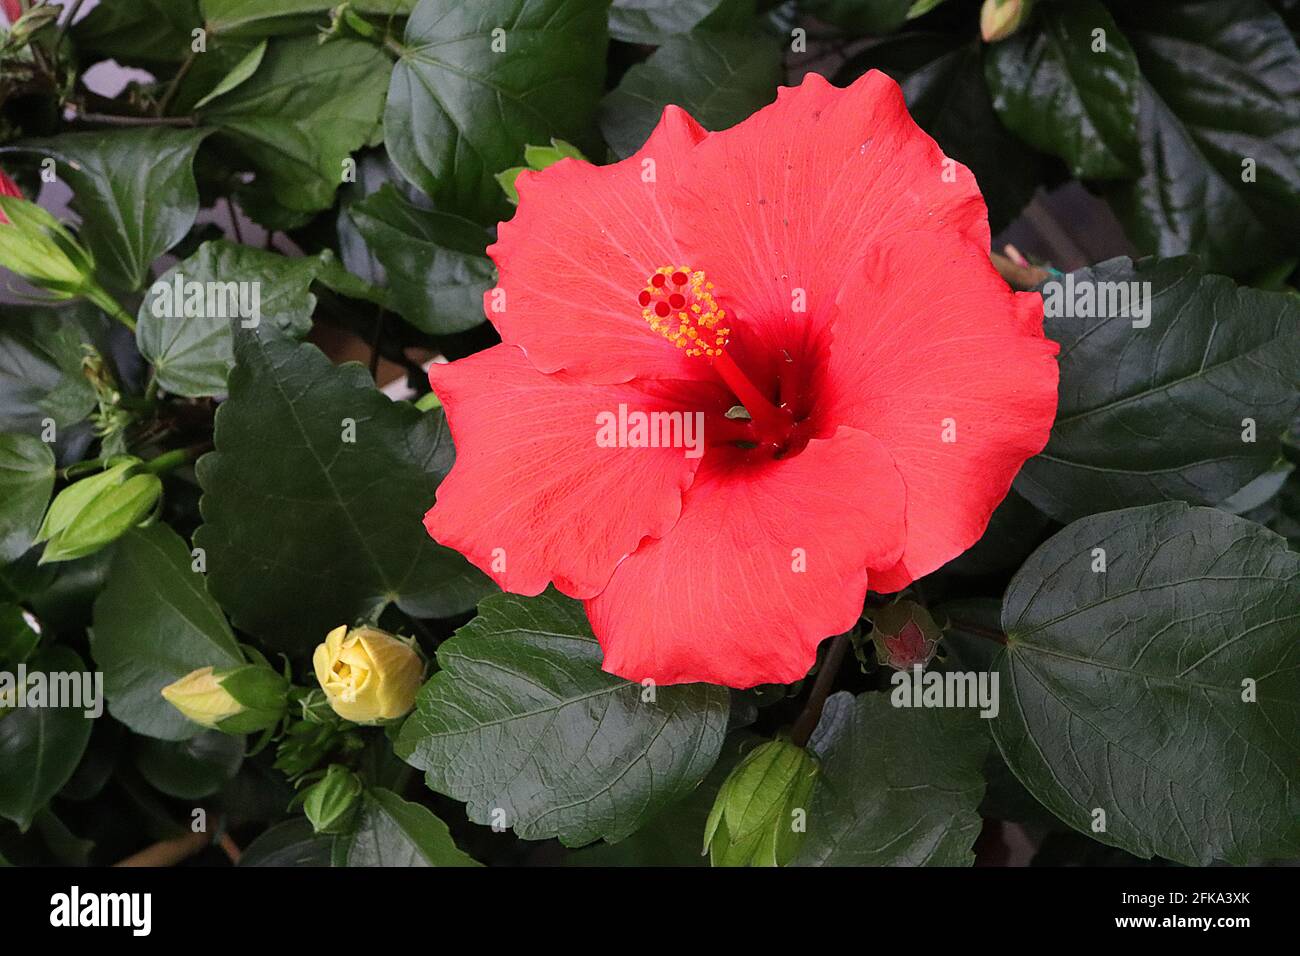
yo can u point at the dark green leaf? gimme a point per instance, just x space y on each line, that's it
238 74
291 843
461 110
1065 90
192 350
40 747
68 848
304 112
134 190
140 33
1164 691
673 835
60 594
436 265
268 17
860 16
206 72
898 786
523 725
1221 87
1159 412
155 623
395 832
18 637
718 79
373 171
655 21
97 764
1260 491
26 481
40 366
304 529
190 769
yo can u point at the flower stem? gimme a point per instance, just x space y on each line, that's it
67 22
812 711
83 468
770 422
107 119
171 460
984 632
170 92
110 305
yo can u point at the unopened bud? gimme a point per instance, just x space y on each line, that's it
759 814
368 675
1001 18
904 634
331 802
36 246
95 511
240 700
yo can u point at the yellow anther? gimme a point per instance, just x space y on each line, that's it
685 292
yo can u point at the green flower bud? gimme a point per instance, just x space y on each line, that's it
240 700
904 634
37 247
760 812
95 511
332 802
1001 18
29 23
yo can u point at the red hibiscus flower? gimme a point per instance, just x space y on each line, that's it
823 265
13 10
8 188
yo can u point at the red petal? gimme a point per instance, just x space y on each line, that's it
790 198
718 598
925 331
582 245
531 480
8 188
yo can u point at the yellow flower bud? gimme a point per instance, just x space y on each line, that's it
1001 18
367 674
200 697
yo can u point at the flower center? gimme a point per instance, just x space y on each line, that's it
678 302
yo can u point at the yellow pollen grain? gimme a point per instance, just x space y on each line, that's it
696 329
